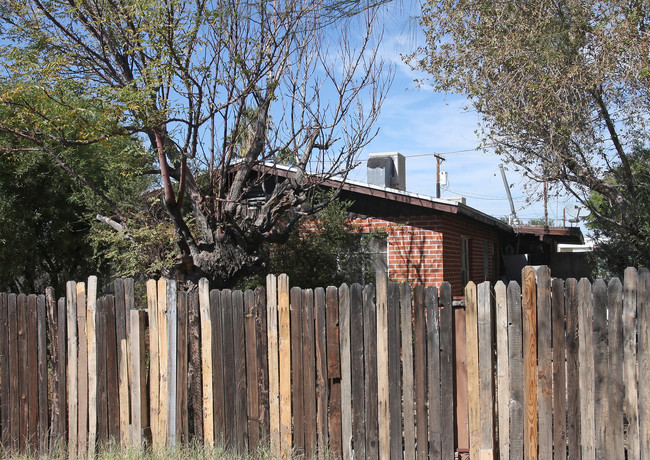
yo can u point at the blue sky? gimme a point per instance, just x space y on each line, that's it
420 122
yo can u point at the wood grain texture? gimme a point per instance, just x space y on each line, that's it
32 374
229 380
573 387
471 323
41 329
447 370
486 367
23 372
394 381
252 375
309 372
503 377
14 392
615 387
102 399
433 372
163 361
82 376
195 378
91 337
262 359
218 358
382 365
357 358
171 317
56 328
643 331
630 282
408 382
586 371
112 373
154 362
320 327
601 367
333 370
121 319
297 371
370 364
516 365
559 371
544 363
182 415
239 340
4 372
529 307
284 347
346 371
420 365
274 365
71 309
137 382
206 362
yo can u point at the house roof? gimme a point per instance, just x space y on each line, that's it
451 206
569 235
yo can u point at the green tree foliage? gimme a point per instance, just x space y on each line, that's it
326 250
47 216
562 88
219 89
615 250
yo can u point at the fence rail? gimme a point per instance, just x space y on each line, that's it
554 369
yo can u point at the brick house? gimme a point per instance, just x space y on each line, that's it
426 240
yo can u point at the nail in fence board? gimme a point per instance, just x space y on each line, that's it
615 388
447 370
394 378
346 371
284 347
407 371
545 364
333 370
356 360
586 371
252 376
91 336
296 370
320 328
241 432
503 382
309 372
573 388
529 305
370 363
420 371
516 364
559 371
601 364
471 319
71 309
274 365
206 362
218 357
486 369
433 372
643 329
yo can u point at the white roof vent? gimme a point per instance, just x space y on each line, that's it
387 170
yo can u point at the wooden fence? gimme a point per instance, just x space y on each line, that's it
554 369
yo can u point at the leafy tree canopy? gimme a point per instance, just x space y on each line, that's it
562 87
218 89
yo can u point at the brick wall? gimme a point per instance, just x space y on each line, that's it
427 249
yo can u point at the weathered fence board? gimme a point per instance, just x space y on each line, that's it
420 364
408 385
370 365
559 370
544 364
447 370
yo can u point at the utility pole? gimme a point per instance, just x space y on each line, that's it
439 160
513 215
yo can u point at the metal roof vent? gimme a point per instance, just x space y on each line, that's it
387 170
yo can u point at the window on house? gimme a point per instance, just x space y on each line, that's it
464 260
375 258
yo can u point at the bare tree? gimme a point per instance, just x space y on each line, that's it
223 90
